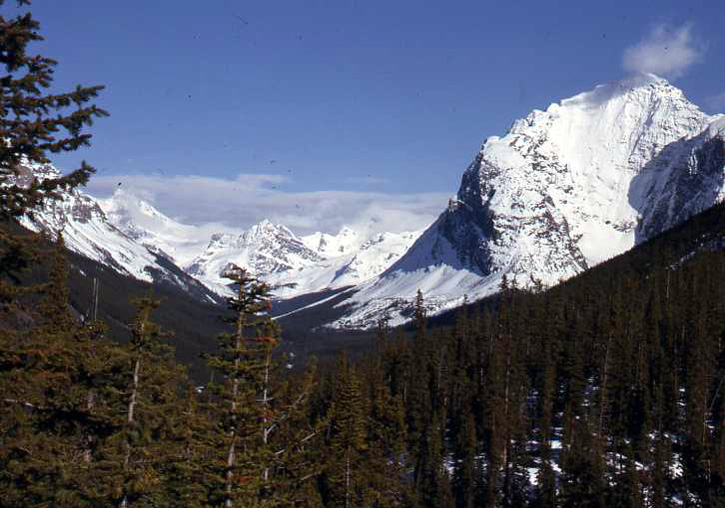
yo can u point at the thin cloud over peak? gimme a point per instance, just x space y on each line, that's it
666 50
244 200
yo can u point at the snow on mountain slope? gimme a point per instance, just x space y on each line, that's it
372 257
687 177
294 266
270 251
564 189
327 245
87 231
142 222
134 238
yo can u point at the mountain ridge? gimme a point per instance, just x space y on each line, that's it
563 190
555 196
130 235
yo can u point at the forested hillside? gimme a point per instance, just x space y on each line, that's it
604 391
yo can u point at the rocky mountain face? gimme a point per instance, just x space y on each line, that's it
266 249
129 235
88 231
294 265
684 179
563 190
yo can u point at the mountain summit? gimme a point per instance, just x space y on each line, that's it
563 190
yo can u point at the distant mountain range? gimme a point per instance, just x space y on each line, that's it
129 235
563 190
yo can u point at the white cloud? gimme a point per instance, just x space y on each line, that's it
666 51
241 202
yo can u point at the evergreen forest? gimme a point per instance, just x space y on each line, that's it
607 390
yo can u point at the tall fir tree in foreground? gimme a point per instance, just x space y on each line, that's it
243 364
33 123
45 422
150 410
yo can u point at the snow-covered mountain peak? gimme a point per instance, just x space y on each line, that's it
219 242
131 214
88 231
347 232
563 189
268 250
267 230
140 220
296 265
129 207
133 237
346 241
579 156
616 127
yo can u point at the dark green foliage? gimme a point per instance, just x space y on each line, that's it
264 438
32 124
607 390
242 363
572 387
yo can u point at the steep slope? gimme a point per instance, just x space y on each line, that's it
372 257
646 328
88 232
296 266
293 265
270 251
684 179
140 221
565 189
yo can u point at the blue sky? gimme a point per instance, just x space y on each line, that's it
343 97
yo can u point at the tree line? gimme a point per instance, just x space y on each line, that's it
607 390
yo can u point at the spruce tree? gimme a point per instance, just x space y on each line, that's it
243 362
347 439
45 417
140 478
33 124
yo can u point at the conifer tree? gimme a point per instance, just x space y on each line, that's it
384 462
466 473
294 437
39 414
191 438
347 439
33 123
243 362
49 375
139 478
42 376
419 312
